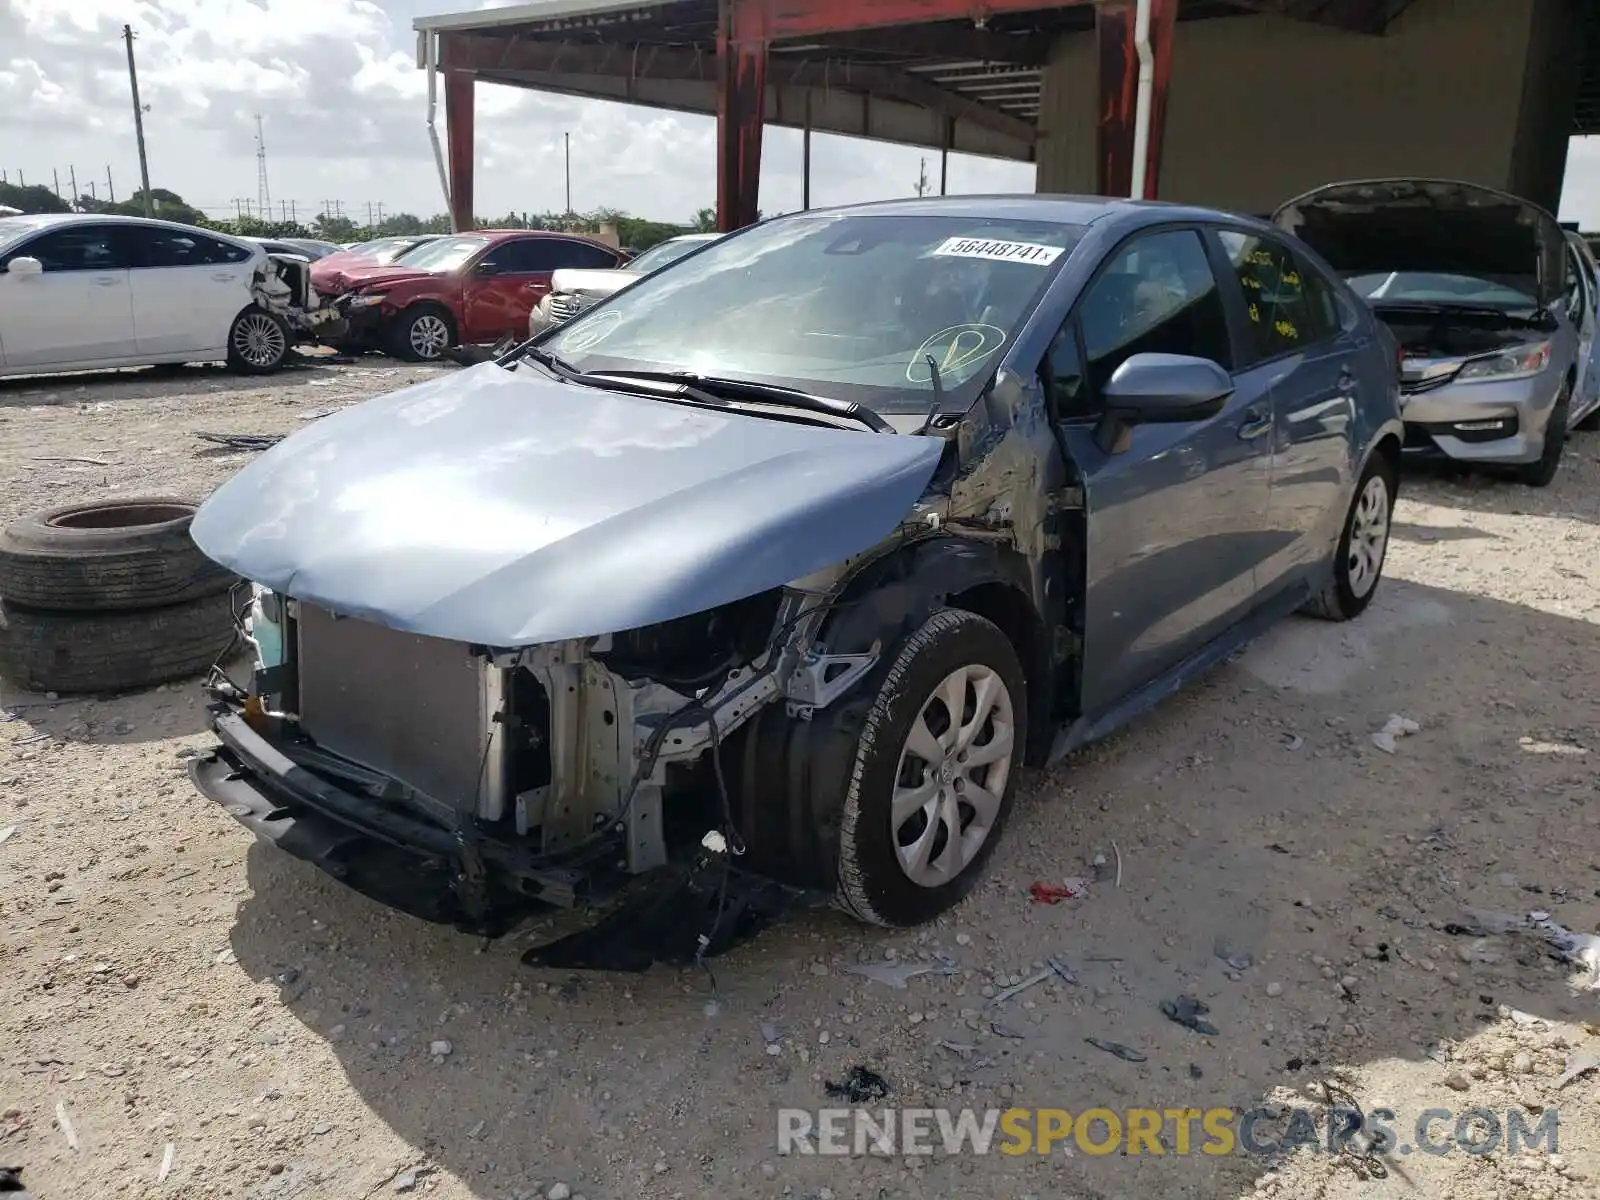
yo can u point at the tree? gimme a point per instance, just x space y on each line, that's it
705 221
331 228
35 198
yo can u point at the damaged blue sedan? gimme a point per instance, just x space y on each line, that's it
763 579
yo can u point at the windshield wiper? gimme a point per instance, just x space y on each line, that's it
786 397
554 363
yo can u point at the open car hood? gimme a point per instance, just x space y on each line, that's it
502 508
1434 225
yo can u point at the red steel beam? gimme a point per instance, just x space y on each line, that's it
769 20
458 127
741 115
1119 91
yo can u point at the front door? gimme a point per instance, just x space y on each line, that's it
513 276
1175 511
1583 298
79 311
187 289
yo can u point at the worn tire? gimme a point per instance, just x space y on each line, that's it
1339 600
113 652
403 336
1543 472
258 342
107 556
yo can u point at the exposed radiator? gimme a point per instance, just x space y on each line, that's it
416 708
563 307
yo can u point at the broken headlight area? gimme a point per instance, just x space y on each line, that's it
571 774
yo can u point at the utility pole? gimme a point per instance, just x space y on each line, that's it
293 217
138 120
72 178
111 192
55 177
92 196
922 177
263 194
567 141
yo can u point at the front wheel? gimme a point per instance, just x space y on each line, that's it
422 334
934 773
258 342
1542 472
1363 545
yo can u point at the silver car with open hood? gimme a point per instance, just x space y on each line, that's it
1474 284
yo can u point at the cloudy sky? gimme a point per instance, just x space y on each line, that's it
343 108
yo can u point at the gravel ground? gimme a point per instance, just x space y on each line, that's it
186 1013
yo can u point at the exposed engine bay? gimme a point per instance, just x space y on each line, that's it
570 766
285 288
1460 334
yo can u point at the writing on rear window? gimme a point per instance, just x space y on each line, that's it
1023 252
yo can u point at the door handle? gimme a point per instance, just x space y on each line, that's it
1255 424
224 277
106 281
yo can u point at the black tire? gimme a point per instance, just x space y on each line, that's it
872 886
258 342
410 336
112 652
107 556
1343 599
1589 423
1542 473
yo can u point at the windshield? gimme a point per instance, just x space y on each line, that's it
1430 287
657 257
849 305
443 254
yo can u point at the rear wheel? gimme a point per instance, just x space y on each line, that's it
1363 545
1542 472
258 342
422 334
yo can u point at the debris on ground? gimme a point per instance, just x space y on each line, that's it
1394 728
1126 1053
67 1131
861 1085
241 441
1001 1030
7 834
1578 1065
1055 893
896 975
1190 1013
167 1156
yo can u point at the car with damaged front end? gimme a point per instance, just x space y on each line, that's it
761 580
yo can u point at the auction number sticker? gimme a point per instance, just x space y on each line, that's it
1024 252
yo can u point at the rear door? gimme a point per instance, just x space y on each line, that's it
79 311
514 275
1293 335
1581 308
1174 513
187 289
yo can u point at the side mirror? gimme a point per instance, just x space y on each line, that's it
1149 388
24 266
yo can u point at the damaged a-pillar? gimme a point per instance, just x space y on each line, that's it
741 111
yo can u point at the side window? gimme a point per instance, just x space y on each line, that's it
76 248
1288 303
1061 373
581 254
523 257
1156 295
157 247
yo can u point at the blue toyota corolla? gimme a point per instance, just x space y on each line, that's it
767 575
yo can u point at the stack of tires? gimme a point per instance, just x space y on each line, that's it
109 597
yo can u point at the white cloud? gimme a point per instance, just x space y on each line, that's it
343 109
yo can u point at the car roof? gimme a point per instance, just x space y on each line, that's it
500 235
48 220
1058 209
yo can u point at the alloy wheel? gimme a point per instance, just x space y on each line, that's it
259 340
952 775
1369 535
429 336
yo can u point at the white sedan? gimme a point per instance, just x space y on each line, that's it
81 292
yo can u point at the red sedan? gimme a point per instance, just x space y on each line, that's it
463 289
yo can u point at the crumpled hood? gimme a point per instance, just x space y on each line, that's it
333 281
1431 225
505 509
591 282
